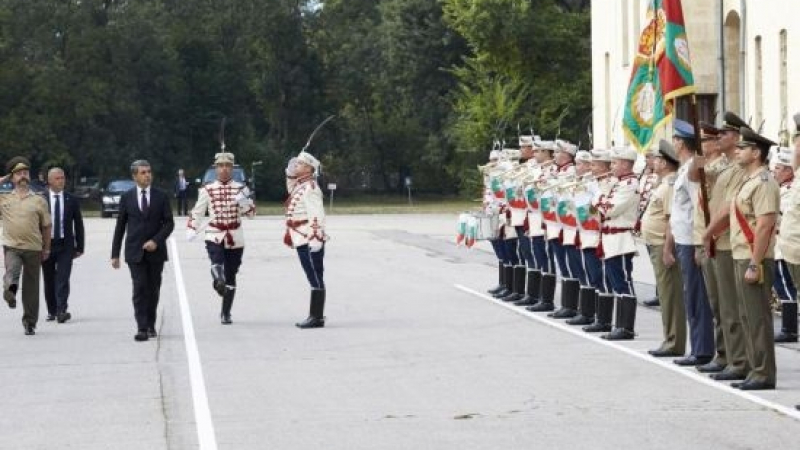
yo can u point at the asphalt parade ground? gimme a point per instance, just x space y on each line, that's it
414 355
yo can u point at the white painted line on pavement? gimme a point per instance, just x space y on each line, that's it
202 413
696 376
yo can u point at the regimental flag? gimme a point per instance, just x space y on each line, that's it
674 62
661 72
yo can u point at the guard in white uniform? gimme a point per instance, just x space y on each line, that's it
305 230
226 201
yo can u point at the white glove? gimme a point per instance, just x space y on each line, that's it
242 197
190 234
314 246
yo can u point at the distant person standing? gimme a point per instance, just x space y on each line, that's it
145 215
67 241
181 189
26 241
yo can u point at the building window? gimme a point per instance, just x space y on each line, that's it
759 79
706 108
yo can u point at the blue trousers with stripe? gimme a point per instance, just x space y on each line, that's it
619 276
524 248
593 267
312 263
542 259
783 284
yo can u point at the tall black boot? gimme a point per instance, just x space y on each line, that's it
218 275
532 288
586 307
788 323
227 303
316 310
570 289
546 295
499 286
508 282
518 286
604 310
626 317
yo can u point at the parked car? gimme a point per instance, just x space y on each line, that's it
211 175
87 188
109 200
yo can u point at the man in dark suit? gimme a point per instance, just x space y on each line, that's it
146 215
66 244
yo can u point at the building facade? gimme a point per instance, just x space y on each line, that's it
744 58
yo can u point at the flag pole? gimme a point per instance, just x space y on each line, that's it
700 170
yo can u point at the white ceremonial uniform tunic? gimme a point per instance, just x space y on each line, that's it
619 211
305 215
218 199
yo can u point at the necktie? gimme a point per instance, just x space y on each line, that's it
57 218
145 205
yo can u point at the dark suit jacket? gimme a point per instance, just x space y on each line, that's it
157 225
72 221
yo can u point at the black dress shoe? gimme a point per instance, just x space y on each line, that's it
541 307
755 386
10 296
225 319
692 360
63 317
653 302
711 367
785 337
51 317
140 336
30 330
311 322
662 353
728 375
151 332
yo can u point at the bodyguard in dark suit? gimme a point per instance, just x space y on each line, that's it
145 215
66 245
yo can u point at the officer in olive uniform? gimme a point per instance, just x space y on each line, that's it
619 213
754 213
713 162
783 284
668 278
726 186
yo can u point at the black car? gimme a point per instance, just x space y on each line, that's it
211 175
109 201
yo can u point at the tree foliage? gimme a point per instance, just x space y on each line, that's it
418 86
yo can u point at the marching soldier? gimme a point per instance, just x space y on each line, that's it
679 243
713 162
537 230
668 279
783 285
724 189
589 225
305 231
754 213
226 201
618 212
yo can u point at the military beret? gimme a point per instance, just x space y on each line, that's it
732 122
683 129
583 156
18 163
750 138
667 151
223 158
627 153
308 158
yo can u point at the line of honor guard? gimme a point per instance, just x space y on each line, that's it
561 213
